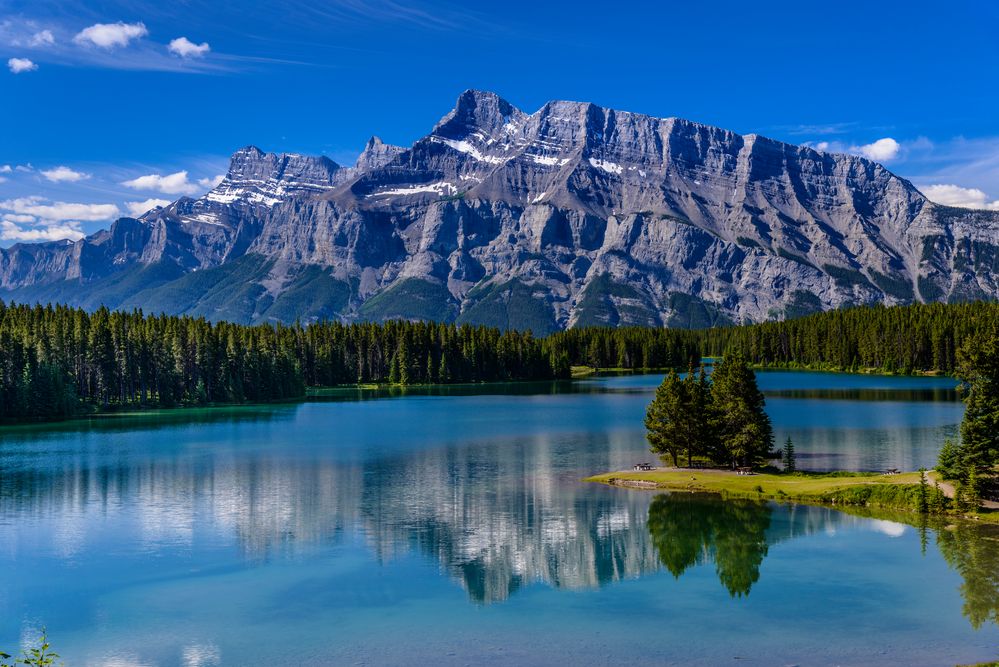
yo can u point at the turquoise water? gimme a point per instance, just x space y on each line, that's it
449 526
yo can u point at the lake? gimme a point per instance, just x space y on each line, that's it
450 526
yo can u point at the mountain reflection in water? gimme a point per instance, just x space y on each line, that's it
494 521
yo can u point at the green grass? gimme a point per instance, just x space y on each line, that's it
718 481
838 488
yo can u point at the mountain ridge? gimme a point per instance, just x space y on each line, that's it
574 214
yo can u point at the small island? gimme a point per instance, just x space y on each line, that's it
714 436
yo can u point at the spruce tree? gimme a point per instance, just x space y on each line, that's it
790 460
741 421
665 418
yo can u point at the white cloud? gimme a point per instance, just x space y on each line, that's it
137 208
110 35
5 169
211 182
64 175
18 65
10 231
19 218
185 48
42 38
24 168
60 211
881 150
171 184
3 179
955 195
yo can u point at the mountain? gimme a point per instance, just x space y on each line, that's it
573 215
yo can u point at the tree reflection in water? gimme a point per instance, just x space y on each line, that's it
973 550
692 529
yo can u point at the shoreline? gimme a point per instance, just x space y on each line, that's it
312 393
897 492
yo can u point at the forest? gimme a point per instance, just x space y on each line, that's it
57 361
896 339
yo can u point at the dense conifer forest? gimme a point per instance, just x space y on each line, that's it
899 339
57 361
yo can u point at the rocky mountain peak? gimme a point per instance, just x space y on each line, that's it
259 178
376 154
479 113
575 214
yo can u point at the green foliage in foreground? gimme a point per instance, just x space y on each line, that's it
37 656
972 462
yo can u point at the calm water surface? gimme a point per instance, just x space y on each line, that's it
450 527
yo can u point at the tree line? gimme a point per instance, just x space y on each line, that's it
896 339
57 361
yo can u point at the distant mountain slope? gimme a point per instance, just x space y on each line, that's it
571 215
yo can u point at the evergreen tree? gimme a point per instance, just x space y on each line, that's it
742 424
923 500
790 461
665 418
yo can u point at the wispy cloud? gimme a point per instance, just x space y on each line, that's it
970 163
955 195
816 129
11 231
42 38
38 219
59 211
120 45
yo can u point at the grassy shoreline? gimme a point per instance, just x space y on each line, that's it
845 489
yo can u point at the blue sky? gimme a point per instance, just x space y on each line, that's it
97 95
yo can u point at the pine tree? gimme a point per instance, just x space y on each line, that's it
923 500
393 376
665 417
790 460
741 422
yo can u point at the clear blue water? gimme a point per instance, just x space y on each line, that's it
451 527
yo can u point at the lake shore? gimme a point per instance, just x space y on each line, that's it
895 492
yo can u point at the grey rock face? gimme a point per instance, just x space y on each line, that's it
571 215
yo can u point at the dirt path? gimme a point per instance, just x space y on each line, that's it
949 491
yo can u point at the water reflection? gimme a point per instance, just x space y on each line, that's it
494 521
367 516
973 551
691 529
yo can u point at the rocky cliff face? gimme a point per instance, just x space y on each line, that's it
571 215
